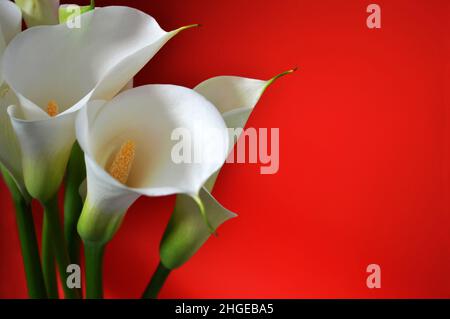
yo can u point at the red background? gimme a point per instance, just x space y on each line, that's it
364 154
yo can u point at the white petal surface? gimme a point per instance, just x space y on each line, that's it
10 25
10 20
45 148
9 148
228 93
39 12
187 230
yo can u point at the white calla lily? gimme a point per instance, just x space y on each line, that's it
10 26
146 118
39 12
235 98
55 70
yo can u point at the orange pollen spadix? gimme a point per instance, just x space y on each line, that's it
121 165
52 108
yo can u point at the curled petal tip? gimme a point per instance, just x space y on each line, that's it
276 77
188 27
283 74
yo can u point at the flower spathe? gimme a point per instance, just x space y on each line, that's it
235 98
10 26
187 230
39 12
64 68
138 124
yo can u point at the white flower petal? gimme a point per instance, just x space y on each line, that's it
128 86
147 115
39 12
187 230
104 207
228 93
10 25
2 48
9 147
10 20
232 93
235 97
45 147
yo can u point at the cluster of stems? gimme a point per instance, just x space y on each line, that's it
60 247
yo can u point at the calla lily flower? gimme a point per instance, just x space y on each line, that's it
235 98
10 26
39 12
55 70
128 152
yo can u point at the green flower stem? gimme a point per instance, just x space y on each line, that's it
94 262
157 282
73 203
28 242
59 246
48 260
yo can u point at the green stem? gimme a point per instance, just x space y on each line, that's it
28 242
94 276
157 282
48 260
59 246
73 203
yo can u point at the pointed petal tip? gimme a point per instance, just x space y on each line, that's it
276 77
190 26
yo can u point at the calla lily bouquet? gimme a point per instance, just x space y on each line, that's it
70 116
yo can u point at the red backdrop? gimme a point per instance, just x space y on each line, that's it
364 154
